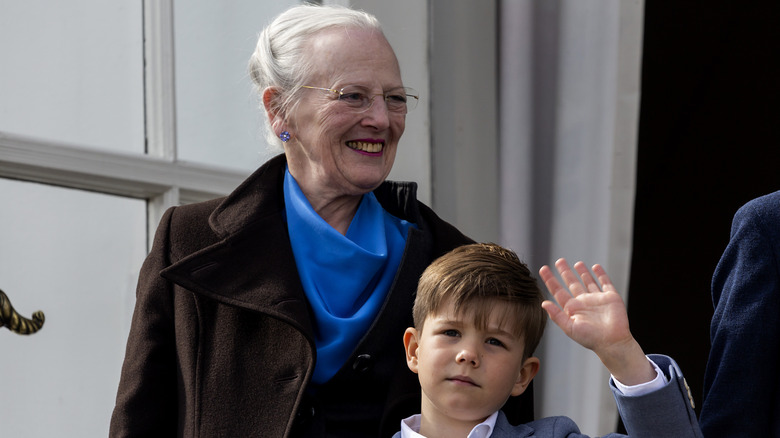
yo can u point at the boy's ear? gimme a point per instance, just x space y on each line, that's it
527 372
411 343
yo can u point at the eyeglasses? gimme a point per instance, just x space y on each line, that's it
359 99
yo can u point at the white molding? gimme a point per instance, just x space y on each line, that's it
155 207
464 116
159 78
136 176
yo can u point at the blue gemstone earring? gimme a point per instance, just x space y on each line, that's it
284 136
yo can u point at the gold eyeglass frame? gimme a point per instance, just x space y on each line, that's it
408 92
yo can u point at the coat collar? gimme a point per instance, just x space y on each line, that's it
251 265
259 197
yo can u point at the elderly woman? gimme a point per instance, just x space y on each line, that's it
277 310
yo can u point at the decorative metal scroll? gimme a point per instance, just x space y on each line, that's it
15 322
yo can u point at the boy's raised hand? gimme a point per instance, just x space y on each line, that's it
593 314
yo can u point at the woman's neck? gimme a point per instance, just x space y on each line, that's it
337 212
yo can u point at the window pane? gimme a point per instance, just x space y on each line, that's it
73 72
74 255
218 119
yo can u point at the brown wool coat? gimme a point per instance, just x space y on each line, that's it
221 342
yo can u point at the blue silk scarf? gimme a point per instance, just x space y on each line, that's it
346 278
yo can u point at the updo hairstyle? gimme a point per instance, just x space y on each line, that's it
279 59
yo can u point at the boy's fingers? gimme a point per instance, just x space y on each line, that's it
555 313
545 272
550 307
559 293
586 277
590 283
569 277
606 283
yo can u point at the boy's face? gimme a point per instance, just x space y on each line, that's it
467 373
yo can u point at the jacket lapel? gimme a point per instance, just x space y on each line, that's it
504 429
252 265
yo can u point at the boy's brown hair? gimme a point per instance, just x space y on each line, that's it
475 277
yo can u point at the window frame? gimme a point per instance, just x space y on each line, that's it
156 176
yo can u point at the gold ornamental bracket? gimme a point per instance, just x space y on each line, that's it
16 323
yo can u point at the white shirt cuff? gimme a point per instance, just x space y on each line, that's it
643 388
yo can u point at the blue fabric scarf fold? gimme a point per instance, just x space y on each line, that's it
346 278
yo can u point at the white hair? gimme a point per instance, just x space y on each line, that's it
280 60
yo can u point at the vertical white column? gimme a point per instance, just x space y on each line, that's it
159 80
569 114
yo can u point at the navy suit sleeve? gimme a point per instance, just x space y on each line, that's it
663 413
667 412
741 380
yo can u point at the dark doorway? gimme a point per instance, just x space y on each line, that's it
709 141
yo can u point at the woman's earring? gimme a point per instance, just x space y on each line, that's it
284 136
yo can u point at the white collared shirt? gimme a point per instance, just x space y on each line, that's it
410 427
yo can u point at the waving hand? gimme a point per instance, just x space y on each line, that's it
593 314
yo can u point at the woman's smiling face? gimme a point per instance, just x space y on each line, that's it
334 150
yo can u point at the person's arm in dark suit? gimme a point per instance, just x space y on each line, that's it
741 382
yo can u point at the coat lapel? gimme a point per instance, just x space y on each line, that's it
251 265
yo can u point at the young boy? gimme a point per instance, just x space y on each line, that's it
479 316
